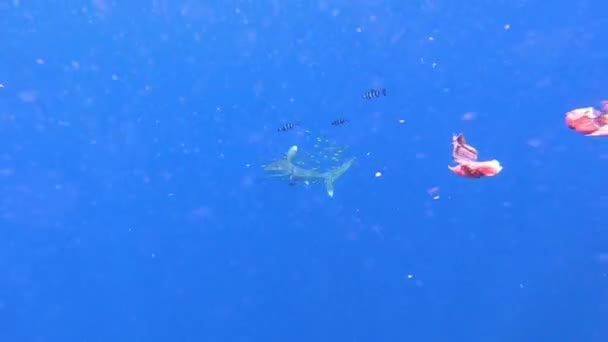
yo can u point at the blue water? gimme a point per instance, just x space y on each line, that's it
134 207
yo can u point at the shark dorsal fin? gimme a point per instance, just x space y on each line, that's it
291 153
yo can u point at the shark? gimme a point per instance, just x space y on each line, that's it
286 168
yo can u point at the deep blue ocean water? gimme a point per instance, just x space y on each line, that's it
134 206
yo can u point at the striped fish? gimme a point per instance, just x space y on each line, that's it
339 122
287 127
374 93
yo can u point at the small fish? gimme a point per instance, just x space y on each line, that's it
287 127
339 122
374 93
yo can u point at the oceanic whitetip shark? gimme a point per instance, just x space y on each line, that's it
286 168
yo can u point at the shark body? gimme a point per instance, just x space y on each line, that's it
286 168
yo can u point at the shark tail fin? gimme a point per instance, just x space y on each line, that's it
332 175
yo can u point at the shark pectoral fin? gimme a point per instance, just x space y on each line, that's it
329 185
276 175
332 175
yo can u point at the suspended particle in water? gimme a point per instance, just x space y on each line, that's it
434 193
468 116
